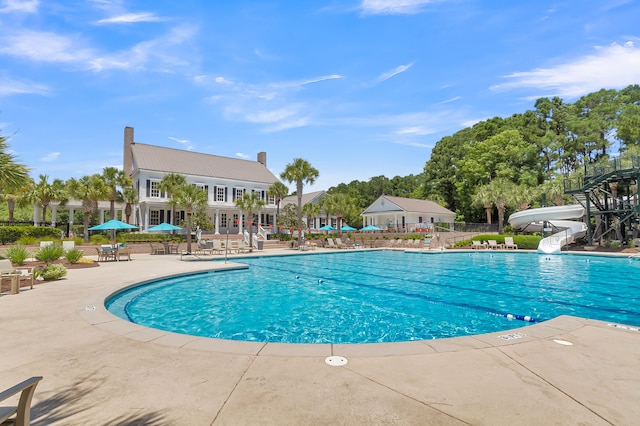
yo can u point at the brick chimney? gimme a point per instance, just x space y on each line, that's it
262 158
127 163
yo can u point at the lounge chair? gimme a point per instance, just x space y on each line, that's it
493 245
509 244
339 243
8 272
217 246
477 245
22 411
331 244
204 248
242 247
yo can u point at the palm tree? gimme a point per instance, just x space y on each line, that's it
170 183
191 198
344 206
310 210
15 195
501 192
12 174
114 179
89 189
523 195
328 205
130 196
482 197
278 190
44 193
300 171
250 203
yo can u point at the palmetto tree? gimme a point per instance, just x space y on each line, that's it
114 179
89 189
191 198
299 171
250 203
44 193
482 197
170 183
501 193
130 197
344 206
14 178
310 210
278 191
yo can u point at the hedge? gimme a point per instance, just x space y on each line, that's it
11 234
529 242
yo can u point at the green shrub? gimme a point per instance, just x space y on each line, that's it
27 241
528 242
99 239
54 272
12 234
49 254
73 255
17 254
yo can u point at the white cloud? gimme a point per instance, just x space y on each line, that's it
129 18
241 155
158 54
22 6
415 131
393 7
389 74
611 67
45 46
185 142
52 156
446 101
415 144
9 87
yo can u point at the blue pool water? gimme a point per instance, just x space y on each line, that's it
367 297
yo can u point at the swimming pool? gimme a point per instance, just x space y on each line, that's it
384 296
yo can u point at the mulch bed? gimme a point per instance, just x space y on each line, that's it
6 284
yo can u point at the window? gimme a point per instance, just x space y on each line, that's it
272 200
154 217
223 220
155 190
236 218
220 192
238 193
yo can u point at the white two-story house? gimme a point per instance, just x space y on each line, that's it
224 179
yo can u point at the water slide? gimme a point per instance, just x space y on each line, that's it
558 217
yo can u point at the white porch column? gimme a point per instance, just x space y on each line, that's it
217 222
72 212
36 215
241 218
101 216
54 214
146 217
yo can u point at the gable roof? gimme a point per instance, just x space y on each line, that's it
311 197
171 160
410 205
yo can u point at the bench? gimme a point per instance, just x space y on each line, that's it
23 409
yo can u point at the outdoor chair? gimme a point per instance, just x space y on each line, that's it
22 411
339 243
217 246
7 271
107 252
26 274
123 251
242 247
204 248
331 244
477 245
493 245
509 244
157 248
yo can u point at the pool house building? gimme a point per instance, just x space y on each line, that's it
406 214
224 179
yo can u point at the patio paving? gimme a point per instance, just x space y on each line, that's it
100 370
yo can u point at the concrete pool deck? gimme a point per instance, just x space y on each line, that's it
99 370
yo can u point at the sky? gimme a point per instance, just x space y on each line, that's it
359 88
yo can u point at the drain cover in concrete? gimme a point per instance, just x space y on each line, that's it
562 342
336 361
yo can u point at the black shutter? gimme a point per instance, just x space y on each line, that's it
162 194
215 193
206 189
161 216
226 196
148 188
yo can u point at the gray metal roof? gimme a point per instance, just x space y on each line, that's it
170 160
413 205
311 197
